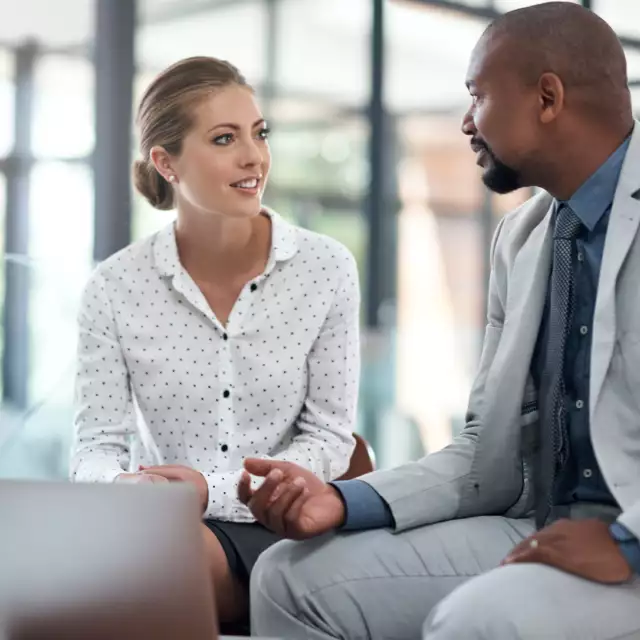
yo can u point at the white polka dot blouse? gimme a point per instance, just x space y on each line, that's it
161 381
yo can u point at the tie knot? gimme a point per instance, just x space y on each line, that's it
567 224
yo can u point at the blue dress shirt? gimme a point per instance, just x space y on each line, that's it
365 508
581 479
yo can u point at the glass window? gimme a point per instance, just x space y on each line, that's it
443 234
440 276
323 50
160 10
633 63
622 15
300 110
146 220
3 209
232 32
635 100
3 206
7 102
320 157
482 4
61 233
435 341
510 5
428 51
60 252
64 23
319 171
140 83
63 125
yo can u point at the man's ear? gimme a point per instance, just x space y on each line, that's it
552 97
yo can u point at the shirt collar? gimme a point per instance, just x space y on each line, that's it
595 196
284 245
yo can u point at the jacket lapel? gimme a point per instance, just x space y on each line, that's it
621 234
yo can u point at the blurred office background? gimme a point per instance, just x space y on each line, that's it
365 99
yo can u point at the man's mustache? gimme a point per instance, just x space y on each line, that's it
478 145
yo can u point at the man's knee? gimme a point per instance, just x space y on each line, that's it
489 607
290 572
271 575
283 591
311 587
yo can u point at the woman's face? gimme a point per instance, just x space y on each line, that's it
225 158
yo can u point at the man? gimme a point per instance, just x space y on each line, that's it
527 525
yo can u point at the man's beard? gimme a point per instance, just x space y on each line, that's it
499 177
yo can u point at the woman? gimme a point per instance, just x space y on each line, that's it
230 333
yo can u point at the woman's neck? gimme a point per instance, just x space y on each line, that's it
212 247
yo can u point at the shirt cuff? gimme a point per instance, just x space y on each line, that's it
628 545
223 501
110 475
364 507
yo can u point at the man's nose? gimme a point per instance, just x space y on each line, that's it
468 127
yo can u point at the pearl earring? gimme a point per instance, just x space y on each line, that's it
172 178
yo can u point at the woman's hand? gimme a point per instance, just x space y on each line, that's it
180 473
140 478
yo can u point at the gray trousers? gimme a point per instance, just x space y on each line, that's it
440 582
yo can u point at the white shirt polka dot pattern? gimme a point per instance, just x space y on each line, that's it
280 380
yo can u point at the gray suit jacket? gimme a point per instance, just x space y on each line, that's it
487 469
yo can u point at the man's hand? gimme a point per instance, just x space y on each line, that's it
180 473
582 547
291 501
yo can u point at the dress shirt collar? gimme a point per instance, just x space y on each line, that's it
284 245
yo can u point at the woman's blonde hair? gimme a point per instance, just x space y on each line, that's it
165 116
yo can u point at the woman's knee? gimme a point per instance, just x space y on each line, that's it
213 549
230 594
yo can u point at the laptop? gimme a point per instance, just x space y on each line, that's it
104 562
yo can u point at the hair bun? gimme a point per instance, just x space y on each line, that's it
152 185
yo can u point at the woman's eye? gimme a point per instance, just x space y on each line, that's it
224 139
263 134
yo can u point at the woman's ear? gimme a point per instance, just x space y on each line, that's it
162 162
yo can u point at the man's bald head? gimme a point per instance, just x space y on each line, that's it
570 41
545 81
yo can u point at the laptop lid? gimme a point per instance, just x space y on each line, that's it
102 562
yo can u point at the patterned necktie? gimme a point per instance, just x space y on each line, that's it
553 419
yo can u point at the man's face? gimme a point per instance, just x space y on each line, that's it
501 119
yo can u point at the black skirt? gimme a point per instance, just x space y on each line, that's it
242 543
